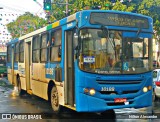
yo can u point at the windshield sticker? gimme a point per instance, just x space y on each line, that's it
125 66
107 72
89 59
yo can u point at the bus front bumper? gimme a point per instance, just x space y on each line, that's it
94 104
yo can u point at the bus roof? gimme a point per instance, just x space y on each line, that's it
120 12
12 41
72 18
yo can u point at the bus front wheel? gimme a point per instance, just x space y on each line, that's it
55 100
109 114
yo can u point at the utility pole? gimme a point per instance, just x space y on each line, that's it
66 3
47 5
66 7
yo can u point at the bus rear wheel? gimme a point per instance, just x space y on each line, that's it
55 100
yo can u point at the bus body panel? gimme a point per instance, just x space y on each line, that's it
36 76
22 75
39 83
135 96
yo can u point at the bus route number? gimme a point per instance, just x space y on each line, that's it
107 89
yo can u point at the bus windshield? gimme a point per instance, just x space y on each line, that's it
110 53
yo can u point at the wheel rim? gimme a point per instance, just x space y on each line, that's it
54 99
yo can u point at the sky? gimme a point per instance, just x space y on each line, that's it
14 8
21 6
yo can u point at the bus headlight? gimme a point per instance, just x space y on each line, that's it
92 91
145 89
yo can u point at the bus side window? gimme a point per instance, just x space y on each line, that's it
56 45
43 49
35 49
9 51
16 52
21 51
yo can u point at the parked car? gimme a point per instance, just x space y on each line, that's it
156 84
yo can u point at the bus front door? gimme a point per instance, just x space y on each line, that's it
69 69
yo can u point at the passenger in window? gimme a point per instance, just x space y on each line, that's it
53 41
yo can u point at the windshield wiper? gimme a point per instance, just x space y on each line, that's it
137 34
106 32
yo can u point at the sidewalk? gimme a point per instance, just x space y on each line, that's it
5 85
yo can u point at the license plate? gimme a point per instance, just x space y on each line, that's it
120 100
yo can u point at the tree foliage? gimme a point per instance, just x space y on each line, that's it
24 24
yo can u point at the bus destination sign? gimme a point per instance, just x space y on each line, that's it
114 19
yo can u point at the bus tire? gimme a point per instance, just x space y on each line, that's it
109 114
20 91
57 108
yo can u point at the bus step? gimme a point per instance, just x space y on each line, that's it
29 91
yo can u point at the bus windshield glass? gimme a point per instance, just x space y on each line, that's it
110 53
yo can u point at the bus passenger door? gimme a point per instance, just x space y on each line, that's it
69 69
28 64
12 66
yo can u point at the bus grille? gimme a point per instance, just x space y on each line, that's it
116 104
115 92
118 82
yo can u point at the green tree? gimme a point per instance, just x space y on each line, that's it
152 8
58 10
25 24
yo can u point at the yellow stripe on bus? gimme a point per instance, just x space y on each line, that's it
55 24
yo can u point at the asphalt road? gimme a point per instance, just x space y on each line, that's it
28 107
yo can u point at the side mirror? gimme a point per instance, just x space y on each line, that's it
101 34
75 43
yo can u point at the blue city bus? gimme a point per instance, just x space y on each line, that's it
91 61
